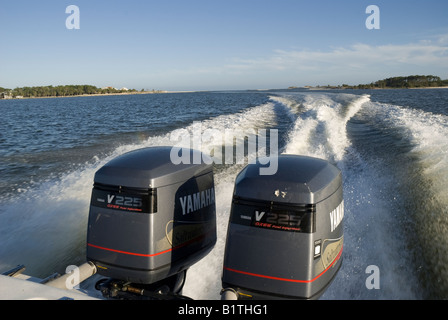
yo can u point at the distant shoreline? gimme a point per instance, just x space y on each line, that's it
311 88
354 88
430 88
98 95
64 91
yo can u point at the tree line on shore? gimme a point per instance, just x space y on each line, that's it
61 91
416 81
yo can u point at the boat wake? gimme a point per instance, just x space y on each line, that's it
394 162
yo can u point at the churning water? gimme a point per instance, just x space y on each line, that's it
391 145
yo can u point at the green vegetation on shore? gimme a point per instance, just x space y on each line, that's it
416 81
61 91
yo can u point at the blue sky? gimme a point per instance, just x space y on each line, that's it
217 45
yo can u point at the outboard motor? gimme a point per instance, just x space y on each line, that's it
285 233
149 221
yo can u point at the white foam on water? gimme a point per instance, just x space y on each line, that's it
44 226
428 185
369 219
429 134
320 129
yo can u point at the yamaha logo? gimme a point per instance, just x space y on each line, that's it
197 201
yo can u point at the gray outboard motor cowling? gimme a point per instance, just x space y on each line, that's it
285 233
150 219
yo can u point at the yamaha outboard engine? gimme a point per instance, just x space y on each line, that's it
149 221
285 233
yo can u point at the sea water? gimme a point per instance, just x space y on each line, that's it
391 145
